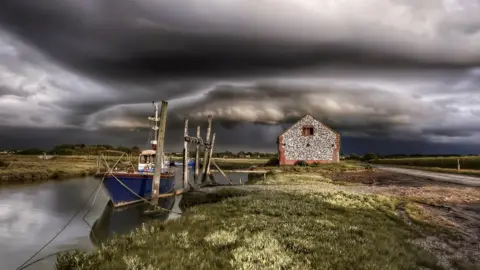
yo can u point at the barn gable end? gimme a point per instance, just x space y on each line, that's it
298 143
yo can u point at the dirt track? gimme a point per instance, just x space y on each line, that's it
445 177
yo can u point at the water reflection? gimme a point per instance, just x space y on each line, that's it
123 220
32 214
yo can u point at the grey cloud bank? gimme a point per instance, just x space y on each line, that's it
395 70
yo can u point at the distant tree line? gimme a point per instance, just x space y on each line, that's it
78 150
82 150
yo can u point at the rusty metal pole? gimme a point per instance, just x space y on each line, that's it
159 162
185 155
197 156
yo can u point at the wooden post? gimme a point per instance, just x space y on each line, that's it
159 163
197 156
210 155
205 154
185 155
458 164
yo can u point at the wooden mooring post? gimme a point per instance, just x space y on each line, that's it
206 148
210 153
197 157
159 161
185 155
207 155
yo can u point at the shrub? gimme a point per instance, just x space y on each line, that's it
368 167
4 164
301 163
274 161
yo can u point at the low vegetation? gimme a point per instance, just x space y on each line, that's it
20 169
267 230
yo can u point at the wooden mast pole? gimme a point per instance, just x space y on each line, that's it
185 155
159 162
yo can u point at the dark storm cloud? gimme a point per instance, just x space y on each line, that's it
141 39
350 108
370 69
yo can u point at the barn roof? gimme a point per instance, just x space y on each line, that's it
307 114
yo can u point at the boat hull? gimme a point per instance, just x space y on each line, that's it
141 184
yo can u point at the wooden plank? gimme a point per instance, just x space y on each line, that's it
240 171
224 175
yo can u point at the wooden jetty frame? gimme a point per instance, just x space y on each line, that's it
207 155
206 145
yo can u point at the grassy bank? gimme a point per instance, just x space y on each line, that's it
19 169
466 162
268 229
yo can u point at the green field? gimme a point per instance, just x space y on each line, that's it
466 163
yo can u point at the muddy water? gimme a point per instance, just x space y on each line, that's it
31 215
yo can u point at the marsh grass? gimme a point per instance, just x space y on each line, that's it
291 178
267 230
19 169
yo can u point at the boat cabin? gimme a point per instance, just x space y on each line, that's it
146 161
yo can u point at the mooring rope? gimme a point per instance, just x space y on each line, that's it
22 266
143 199
93 204
44 257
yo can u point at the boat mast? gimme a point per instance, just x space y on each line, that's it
155 120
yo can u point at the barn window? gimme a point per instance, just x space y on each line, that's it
307 131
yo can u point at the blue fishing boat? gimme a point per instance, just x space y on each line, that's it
128 188
133 185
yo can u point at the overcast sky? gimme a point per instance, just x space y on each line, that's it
390 75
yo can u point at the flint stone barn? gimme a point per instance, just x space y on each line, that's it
308 140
